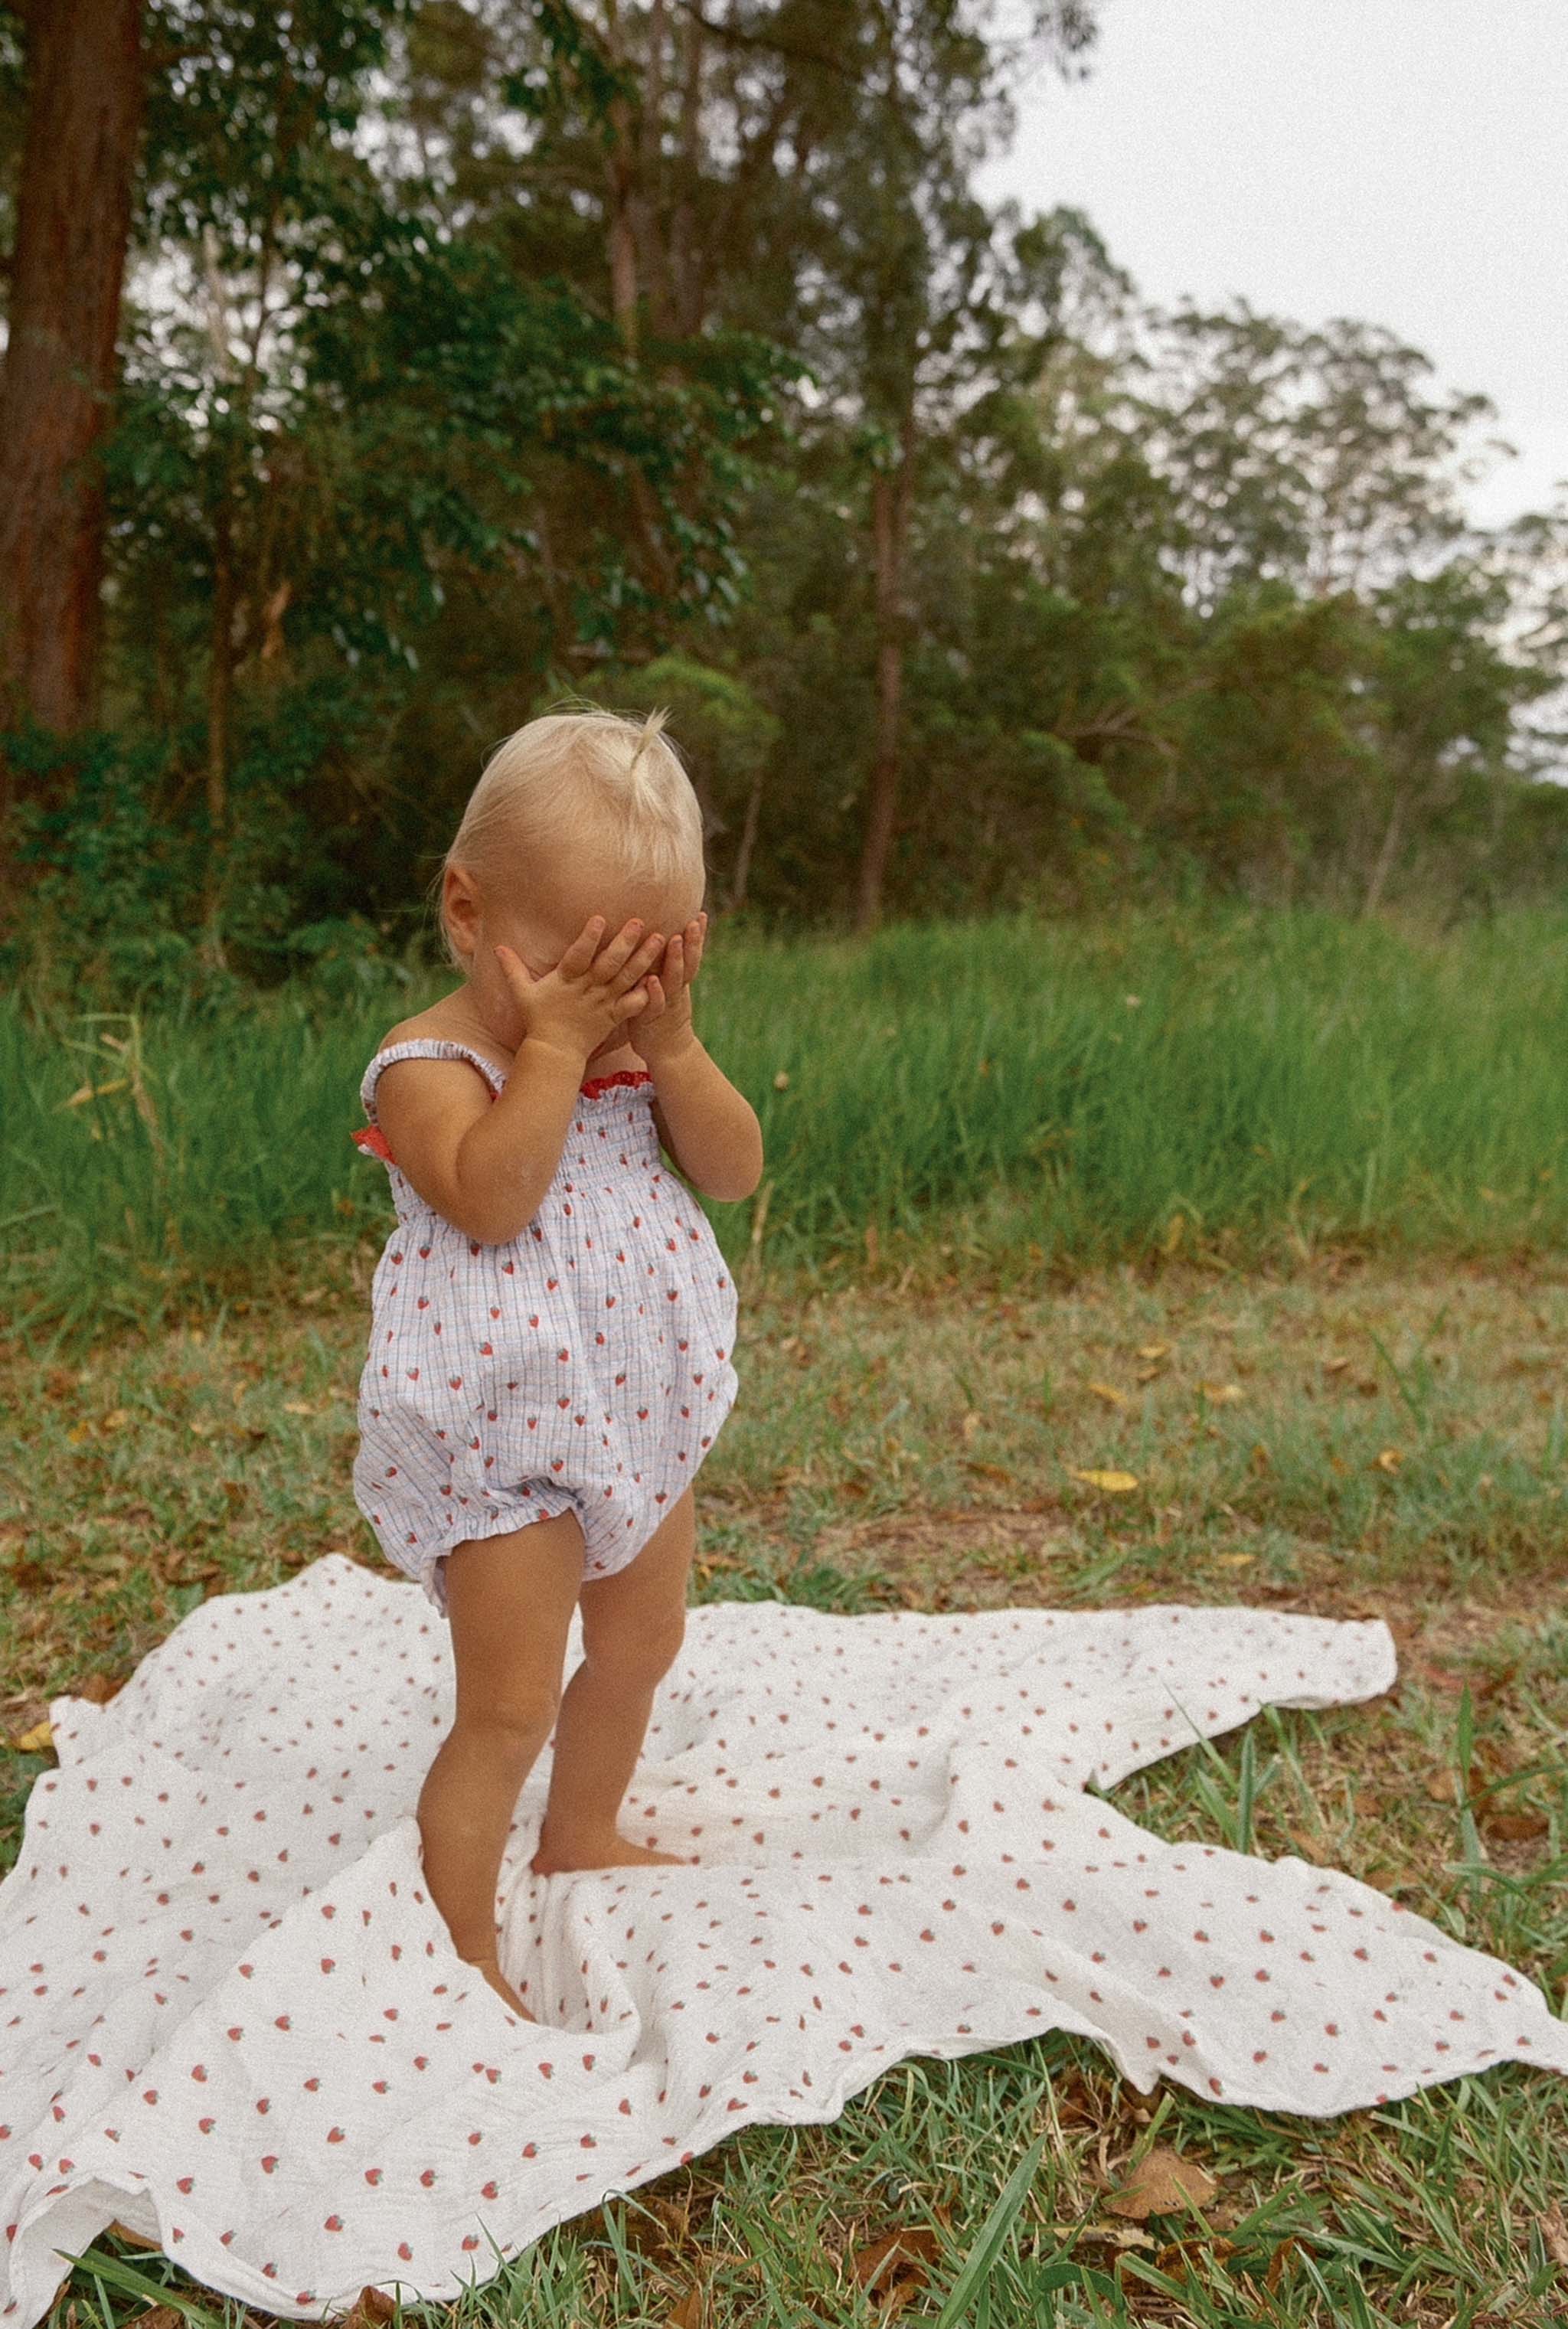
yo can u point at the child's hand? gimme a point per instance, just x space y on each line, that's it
593 987
664 1028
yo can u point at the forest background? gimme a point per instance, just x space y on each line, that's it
382 370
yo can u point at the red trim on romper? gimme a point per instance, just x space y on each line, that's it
371 1140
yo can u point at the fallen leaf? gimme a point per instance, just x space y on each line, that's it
1162 2182
1441 1788
781 1080
297 1407
36 1741
1114 1484
895 2268
1439 1677
1553 2232
1389 1459
1234 1559
1109 1393
136 2239
1281 2260
1122 2236
1515 1827
689 2314
1334 1366
372 2305
986 1471
1177 2256
1222 1394
969 1426
1154 1350
97 1686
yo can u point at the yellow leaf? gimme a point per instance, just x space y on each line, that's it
1154 1350
1122 2236
1222 1394
1234 1559
1109 1393
94 1091
1162 2182
297 1407
1115 1483
136 2240
36 1740
1389 1459
781 1080
969 1426
117 1418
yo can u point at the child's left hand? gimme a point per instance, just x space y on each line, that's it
665 1027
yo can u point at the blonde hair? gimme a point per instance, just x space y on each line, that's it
571 775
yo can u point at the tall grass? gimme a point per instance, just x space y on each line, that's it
1250 1081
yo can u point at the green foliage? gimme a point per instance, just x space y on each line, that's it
1244 1084
475 355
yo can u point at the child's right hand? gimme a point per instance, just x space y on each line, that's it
592 988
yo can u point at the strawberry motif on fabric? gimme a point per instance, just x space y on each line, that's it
585 1365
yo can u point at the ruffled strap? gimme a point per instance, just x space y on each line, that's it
370 1138
372 1141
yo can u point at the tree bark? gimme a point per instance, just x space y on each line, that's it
890 495
86 89
621 177
1386 855
748 842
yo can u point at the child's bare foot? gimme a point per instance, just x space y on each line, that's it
501 1986
610 1851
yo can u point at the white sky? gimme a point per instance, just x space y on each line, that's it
1401 161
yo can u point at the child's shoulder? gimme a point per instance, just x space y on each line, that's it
440 1022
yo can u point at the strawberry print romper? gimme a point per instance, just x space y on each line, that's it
583 1367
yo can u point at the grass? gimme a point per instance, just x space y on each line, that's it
1247 1086
1350 1434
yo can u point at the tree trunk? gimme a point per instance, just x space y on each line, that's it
87 88
219 717
621 176
1391 837
890 492
748 842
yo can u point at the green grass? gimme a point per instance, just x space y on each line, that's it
893 1447
1244 1085
1311 1184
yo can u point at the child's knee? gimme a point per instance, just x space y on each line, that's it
515 1722
636 1654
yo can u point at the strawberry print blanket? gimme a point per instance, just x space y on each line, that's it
230 2016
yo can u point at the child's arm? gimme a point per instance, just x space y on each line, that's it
484 1167
709 1128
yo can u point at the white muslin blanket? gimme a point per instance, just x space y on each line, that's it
231 2015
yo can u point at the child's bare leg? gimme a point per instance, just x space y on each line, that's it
633 1624
510 1600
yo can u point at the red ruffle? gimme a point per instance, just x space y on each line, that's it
371 1139
596 1084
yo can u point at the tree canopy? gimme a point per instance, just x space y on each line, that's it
439 358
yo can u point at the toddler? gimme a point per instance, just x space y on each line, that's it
553 1322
